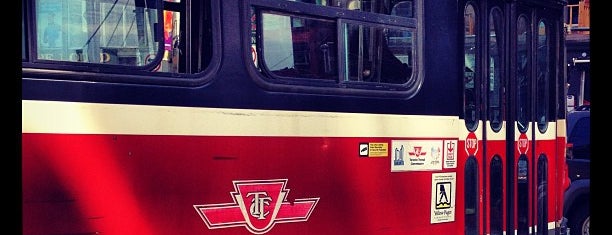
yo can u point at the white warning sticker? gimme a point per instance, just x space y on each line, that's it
416 155
450 154
443 197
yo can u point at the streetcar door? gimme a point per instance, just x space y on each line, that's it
494 86
522 131
532 118
485 40
546 29
510 95
472 117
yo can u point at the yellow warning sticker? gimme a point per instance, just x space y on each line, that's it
378 149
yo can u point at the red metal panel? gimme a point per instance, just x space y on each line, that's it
133 184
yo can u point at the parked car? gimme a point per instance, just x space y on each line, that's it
576 207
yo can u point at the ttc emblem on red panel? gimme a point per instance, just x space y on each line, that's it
258 205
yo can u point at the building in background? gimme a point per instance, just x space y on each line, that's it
577 41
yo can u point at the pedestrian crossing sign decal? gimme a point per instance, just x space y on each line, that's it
443 189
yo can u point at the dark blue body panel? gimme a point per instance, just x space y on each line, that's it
231 85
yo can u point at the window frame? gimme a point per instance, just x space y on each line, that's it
499 68
543 87
523 91
102 67
145 75
340 15
472 99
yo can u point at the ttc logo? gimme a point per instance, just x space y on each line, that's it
417 152
258 205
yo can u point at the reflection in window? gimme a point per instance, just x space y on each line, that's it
523 78
299 46
543 65
97 31
355 46
376 54
496 192
471 196
495 107
470 102
522 195
542 195
393 7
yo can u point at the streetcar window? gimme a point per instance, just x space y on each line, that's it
542 195
542 80
470 102
522 195
496 201
523 75
137 35
471 196
299 47
337 44
97 31
495 107
377 54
